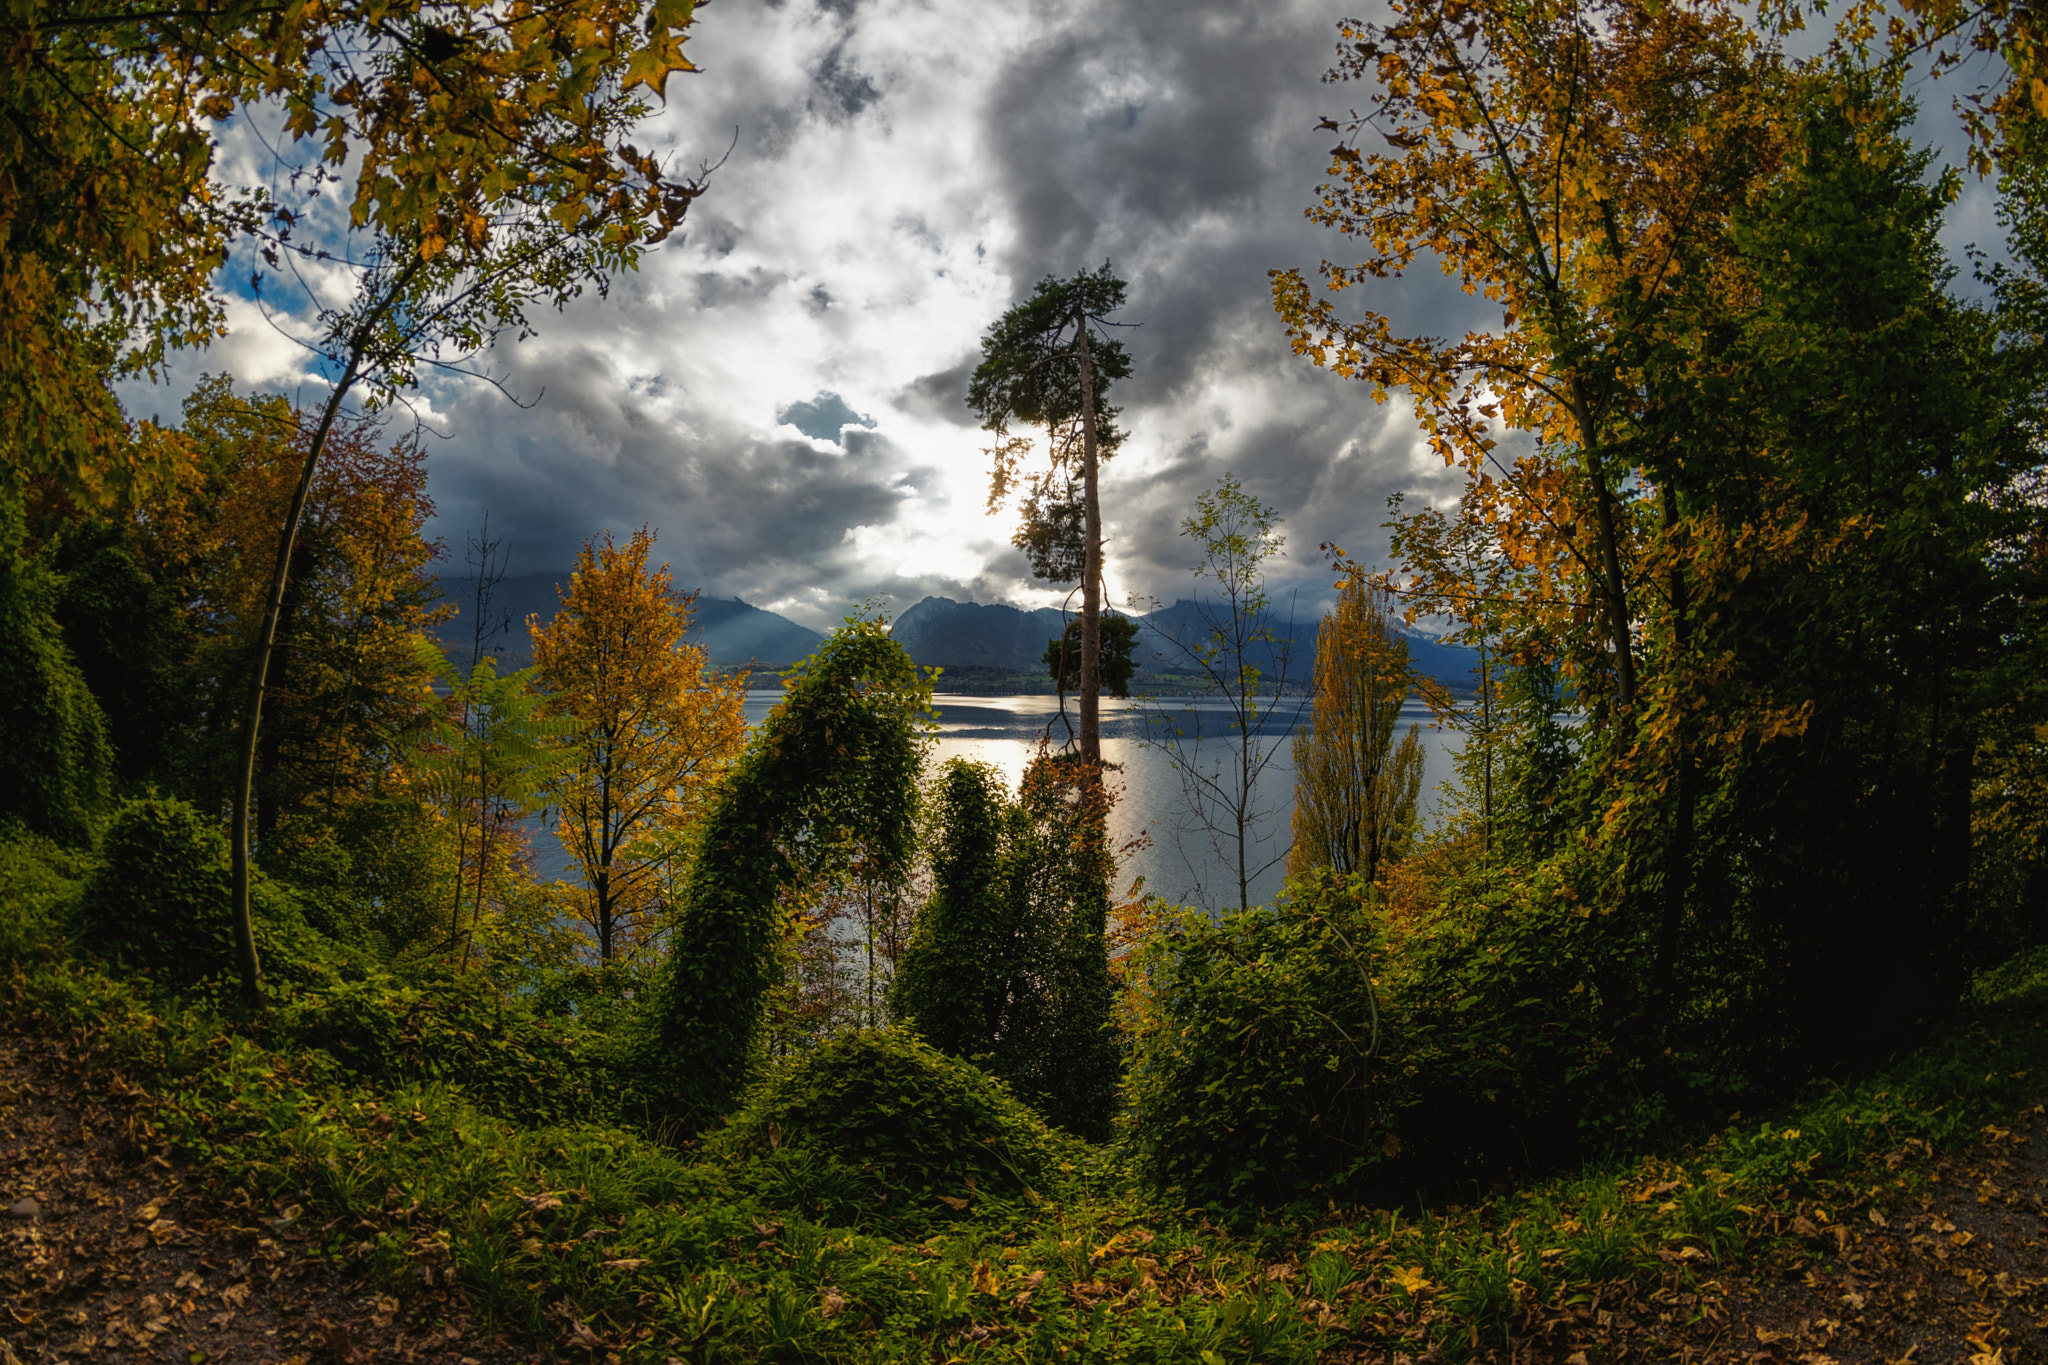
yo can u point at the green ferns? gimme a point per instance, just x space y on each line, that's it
832 769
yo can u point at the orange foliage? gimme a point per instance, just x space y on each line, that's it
344 683
656 731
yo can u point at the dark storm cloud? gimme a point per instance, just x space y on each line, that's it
900 171
1178 142
1174 139
736 512
943 393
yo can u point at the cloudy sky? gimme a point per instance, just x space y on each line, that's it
780 391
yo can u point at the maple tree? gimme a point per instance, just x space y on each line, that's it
654 733
444 123
1569 162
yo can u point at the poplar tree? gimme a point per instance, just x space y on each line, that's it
1355 789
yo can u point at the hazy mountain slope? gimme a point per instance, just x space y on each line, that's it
941 631
731 631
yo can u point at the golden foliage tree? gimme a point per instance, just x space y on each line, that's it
1573 161
481 153
656 732
1355 789
447 126
344 687
344 690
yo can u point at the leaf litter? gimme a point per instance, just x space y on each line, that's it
111 1249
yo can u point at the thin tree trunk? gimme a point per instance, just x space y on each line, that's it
1614 589
252 711
1091 564
1678 863
1486 752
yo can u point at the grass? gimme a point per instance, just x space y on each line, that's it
585 1232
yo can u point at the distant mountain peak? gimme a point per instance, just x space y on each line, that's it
732 632
950 634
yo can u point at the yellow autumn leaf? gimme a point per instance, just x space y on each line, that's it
1411 1281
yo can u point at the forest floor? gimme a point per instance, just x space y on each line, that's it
112 1249
1957 1274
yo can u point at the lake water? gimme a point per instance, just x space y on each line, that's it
1175 855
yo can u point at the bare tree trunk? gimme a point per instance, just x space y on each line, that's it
1091 562
1678 857
252 710
1614 588
1486 755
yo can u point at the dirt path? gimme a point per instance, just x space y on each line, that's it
1957 1273
109 1251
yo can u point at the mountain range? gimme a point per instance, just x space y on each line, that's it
733 633
992 644
996 636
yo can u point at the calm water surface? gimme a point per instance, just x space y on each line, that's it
1175 855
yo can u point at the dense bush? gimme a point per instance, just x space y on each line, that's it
1006 965
375 877
1518 1018
1258 1072
878 1127
38 882
127 633
1506 1030
158 901
458 1030
56 765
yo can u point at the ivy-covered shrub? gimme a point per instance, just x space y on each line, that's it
457 1030
1504 1030
56 766
1258 1073
1520 1023
39 882
159 900
831 774
373 874
879 1128
1006 965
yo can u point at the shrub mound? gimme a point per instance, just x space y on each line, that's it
454 1030
879 1128
158 902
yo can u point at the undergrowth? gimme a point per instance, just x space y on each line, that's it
440 1180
